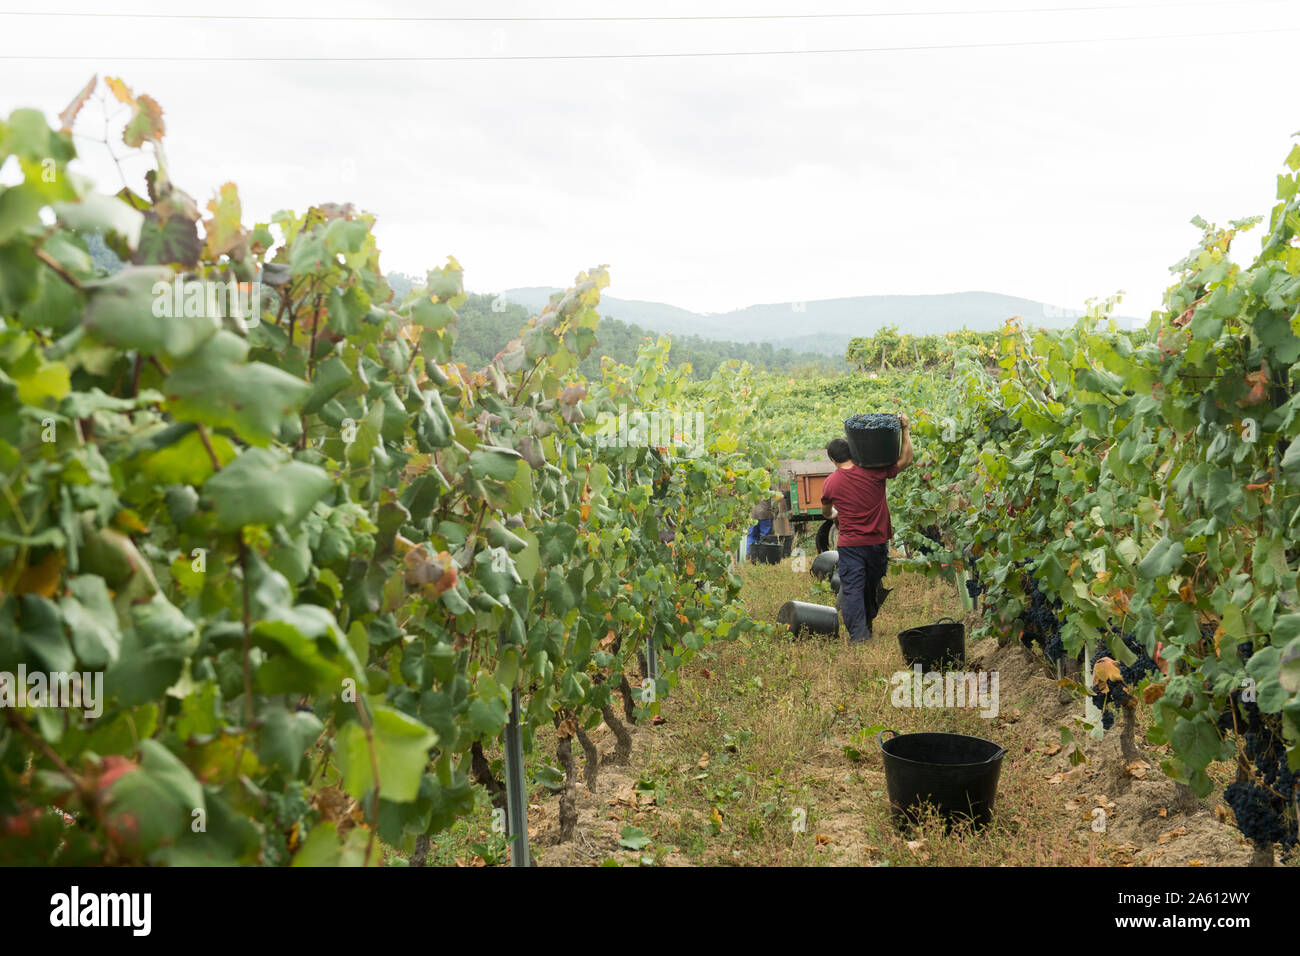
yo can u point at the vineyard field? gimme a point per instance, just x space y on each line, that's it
288 578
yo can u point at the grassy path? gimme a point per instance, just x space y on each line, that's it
767 756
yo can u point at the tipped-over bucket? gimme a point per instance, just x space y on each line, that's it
799 616
825 564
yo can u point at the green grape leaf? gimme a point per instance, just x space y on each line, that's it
633 838
1289 671
91 620
491 461
285 738
401 748
1163 558
306 652
259 487
170 241
217 387
153 802
130 310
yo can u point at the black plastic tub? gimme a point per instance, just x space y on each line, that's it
933 645
767 552
955 774
874 447
799 616
825 564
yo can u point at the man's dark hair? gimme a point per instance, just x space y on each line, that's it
838 450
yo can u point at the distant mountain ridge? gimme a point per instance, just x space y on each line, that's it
825 326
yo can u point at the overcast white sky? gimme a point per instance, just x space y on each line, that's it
1054 172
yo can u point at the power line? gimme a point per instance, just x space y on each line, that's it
637 56
623 19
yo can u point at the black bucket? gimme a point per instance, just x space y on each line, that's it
874 447
933 644
955 774
766 552
825 564
799 616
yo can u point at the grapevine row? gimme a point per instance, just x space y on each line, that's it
313 558
1140 492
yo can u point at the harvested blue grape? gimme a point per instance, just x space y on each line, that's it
873 420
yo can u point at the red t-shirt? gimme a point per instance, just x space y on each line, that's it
858 494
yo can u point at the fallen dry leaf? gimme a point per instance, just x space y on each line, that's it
1068 776
822 839
916 845
703 762
1137 768
1052 750
1123 854
1171 835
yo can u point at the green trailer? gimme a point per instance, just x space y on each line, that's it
800 483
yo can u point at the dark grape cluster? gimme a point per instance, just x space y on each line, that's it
1264 805
930 533
1040 621
975 587
1132 674
873 420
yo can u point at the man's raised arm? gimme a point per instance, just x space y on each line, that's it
905 459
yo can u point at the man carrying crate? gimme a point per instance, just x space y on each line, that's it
855 497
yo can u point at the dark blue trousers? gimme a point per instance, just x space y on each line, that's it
862 568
